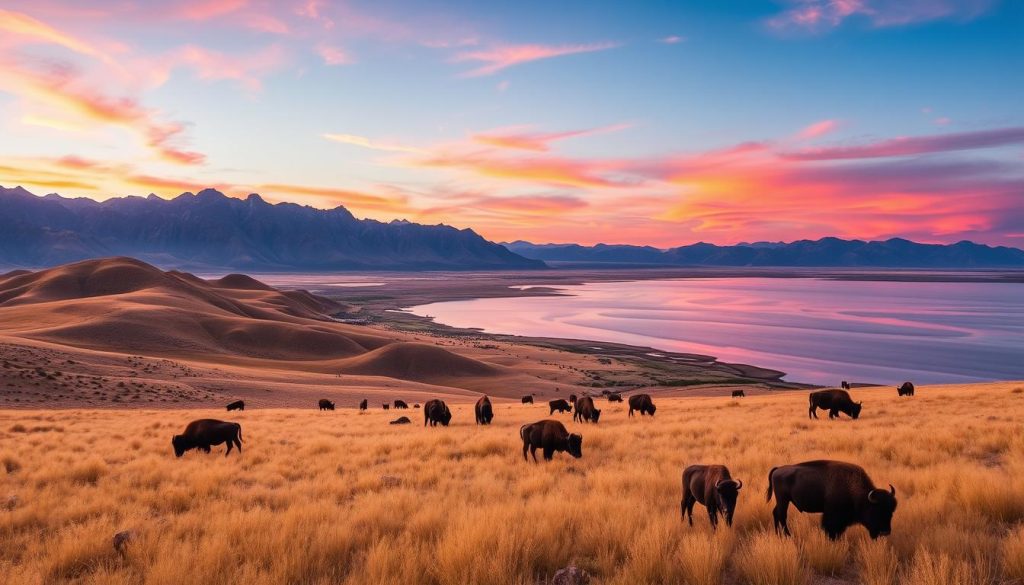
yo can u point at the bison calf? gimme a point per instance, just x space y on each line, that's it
236 405
907 389
484 411
614 397
436 411
559 405
326 404
841 492
643 403
714 488
834 401
551 436
204 433
585 410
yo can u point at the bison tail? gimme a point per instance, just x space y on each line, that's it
768 494
239 434
522 430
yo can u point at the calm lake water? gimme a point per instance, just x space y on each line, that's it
819 331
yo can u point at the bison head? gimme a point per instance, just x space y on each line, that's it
597 414
880 508
446 416
727 491
576 446
651 408
180 445
855 410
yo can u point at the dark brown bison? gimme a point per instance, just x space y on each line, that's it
738 394
417 405
834 401
528 399
559 405
236 405
364 404
206 432
585 410
402 420
484 412
614 397
436 411
845 385
907 389
643 403
386 406
841 492
713 487
326 404
551 436
572 399
401 405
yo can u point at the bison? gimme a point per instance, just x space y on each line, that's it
402 420
559 405
834 401
738 394
907 389
528 399
551 436
484 412
386 406
643 403
436 411
572 399
401 405
326 404
841 492
845 385
714 488
236 405
614 397
206 432
364 404
585 410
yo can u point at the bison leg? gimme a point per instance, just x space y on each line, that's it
631 411
779 514
205 448
687 504
231 443
526 446
549 453
713 516
812 412
533 452
833 527
833 414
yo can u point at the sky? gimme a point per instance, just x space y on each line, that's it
660 123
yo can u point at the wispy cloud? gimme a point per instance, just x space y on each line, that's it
365 142
333 55
818 129
498 58
824 15
916 145
672 40
538 141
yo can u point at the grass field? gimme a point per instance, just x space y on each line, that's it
343 497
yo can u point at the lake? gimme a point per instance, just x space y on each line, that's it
816 330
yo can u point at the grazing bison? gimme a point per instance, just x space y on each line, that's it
841 492
614 397
386 406
236 405
713 487
585 410
206 432
834 401
738 394
363 405
907 389
559 405
436 411
401 404
484 412
551 436
845 385
528 399
402 420
326 404
643 403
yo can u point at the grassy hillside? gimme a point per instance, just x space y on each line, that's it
343 497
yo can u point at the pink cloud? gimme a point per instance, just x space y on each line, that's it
823 15
916 145
818 129
212 65
671 40
538 141
333 55
500 58
209 9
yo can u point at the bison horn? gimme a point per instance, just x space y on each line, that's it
892 490
739 484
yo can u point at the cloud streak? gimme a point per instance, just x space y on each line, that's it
502 57
916 145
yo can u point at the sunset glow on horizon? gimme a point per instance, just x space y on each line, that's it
661 124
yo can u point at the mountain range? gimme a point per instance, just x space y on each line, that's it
209 230
826 252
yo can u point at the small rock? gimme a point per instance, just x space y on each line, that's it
571 575
121 540
390 481
11 502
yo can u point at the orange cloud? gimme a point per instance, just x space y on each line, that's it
538 141
23 25
349 198
365 142
503 57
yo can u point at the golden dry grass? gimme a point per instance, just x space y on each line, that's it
342 497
